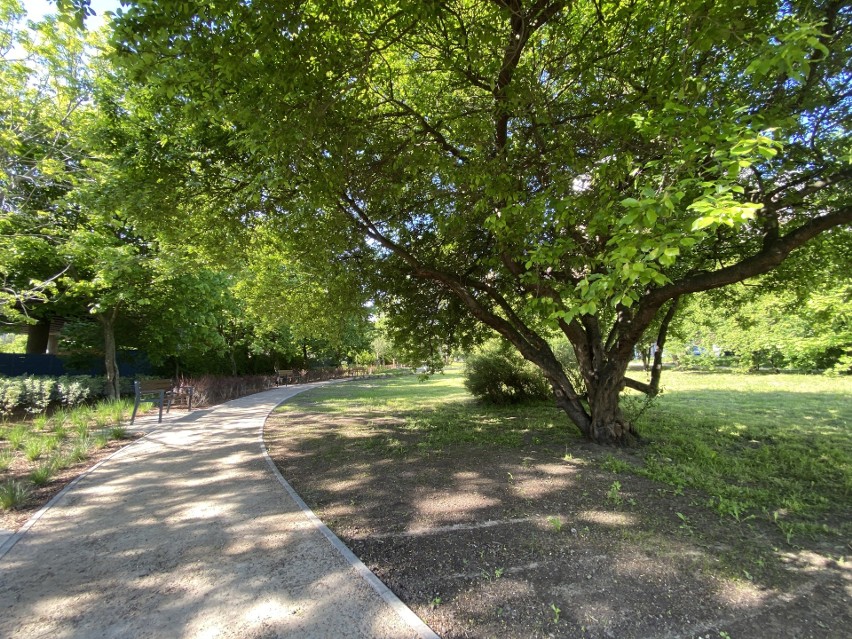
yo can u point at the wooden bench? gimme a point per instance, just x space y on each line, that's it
284 377
159 392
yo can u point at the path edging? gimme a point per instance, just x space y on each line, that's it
406 613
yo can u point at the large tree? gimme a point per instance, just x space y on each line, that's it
527 165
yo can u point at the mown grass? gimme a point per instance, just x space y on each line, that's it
777 447
33 451
436 413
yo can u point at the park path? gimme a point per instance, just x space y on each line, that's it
189 533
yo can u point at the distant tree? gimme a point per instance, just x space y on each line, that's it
44 86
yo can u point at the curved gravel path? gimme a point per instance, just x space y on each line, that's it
189 533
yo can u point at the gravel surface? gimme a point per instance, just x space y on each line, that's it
187 533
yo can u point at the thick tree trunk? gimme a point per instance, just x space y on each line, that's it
38 336
108 323
609 425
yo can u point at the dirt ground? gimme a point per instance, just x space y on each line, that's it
531 542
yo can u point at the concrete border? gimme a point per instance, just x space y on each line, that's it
406 613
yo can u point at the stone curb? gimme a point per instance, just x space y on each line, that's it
405 613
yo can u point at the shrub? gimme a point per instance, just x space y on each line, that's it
73 390
38 392
11 394
498 374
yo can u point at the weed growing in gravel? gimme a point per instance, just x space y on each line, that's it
556 612
614 493
12 494
556 523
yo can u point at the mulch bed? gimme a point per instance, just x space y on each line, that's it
39 496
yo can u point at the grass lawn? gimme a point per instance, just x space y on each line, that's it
758 445
776 447
732 519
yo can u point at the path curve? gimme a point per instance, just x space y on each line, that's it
189 533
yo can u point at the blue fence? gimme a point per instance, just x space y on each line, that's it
130 364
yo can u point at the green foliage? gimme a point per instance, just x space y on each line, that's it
6 458
43 473
72 391
474 164
800 317
33 448
498 374
13 494
17 435
756 445
11 394
38 393
13 343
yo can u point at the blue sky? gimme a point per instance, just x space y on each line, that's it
38 8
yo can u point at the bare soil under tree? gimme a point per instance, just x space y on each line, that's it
530 542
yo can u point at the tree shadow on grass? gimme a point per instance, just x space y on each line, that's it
516 539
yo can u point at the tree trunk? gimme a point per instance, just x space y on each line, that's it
38 336
609 425
110 363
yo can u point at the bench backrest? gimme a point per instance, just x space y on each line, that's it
151 385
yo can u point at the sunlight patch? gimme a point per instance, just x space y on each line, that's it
606 518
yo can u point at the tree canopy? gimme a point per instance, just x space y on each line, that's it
533 166
70 250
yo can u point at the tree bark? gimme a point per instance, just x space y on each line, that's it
38 336
107 321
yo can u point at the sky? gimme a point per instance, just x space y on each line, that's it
36 9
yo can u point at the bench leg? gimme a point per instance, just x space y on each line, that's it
162 399
135 408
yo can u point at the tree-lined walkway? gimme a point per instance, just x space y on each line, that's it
187 533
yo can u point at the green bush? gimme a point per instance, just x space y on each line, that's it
498 374
38 392
11 394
